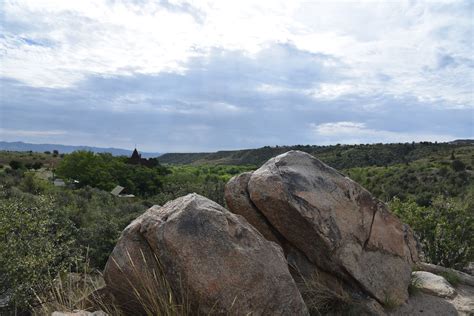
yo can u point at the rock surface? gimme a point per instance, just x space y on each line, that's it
338 225
433 284
213 257
462 304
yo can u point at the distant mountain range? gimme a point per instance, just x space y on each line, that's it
65 149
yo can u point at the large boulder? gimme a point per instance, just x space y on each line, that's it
212 258
238 200
433 284
338 225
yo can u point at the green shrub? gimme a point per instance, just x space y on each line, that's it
445 229
15 165
37 243
458 165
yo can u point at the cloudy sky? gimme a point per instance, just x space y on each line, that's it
201 75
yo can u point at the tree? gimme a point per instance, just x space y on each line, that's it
104 171
15 165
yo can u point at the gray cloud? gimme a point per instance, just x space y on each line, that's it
219 103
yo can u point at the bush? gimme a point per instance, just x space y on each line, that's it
444 228
15 165
37 165
37 244
31 184
458 165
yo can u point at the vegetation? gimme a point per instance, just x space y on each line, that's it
337 156
322 299
38 242
45 229
451 277
105 171
444 228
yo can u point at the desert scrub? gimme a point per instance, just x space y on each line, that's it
37 243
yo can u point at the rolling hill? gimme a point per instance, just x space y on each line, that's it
65 149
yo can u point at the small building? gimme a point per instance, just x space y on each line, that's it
118 190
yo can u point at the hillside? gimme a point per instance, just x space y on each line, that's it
66 149
337 156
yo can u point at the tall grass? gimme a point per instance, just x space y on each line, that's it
151 292
322 299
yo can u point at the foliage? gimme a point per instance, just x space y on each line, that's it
104 171
15 164
207 180
451 277
414 286
445 229
337 156
37 243
458 165
99 218
421 181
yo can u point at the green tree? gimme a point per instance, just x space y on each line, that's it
445 229
15 164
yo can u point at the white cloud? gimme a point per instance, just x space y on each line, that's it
330 91
29 133
385 47
358 133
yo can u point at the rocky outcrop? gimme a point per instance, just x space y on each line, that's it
428 301
207 255
433 284
332 222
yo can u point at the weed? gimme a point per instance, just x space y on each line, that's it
451 277
323 300
390 303
414 287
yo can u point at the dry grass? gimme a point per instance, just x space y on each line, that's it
81 291
324 300
153 291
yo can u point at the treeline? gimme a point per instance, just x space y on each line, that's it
105 171
337 156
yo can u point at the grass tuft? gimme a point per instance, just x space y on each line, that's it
414 286
390 303
323 300
84 291
451 277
